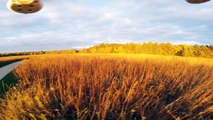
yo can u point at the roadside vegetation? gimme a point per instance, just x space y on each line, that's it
9 61
111 86
9 80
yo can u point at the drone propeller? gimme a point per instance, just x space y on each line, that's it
25 6
197 1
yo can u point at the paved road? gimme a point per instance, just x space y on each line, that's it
7 69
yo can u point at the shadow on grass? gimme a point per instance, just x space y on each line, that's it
7 82
7 62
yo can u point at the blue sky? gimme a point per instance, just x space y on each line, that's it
66 24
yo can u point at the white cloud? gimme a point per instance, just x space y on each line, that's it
76 24
204 14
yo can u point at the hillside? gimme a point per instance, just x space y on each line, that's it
154 48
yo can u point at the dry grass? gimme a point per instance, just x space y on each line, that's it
2 59
111 87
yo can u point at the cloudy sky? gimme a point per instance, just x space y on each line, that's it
65 24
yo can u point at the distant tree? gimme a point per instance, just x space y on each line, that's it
153 48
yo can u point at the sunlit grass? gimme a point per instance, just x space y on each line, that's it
111 86
12 58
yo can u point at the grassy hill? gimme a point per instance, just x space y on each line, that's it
154 48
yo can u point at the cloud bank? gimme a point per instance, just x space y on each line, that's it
82 23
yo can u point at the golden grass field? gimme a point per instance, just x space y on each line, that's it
111 86
2 59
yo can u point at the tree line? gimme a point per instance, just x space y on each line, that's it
38 53
154 48
134 48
